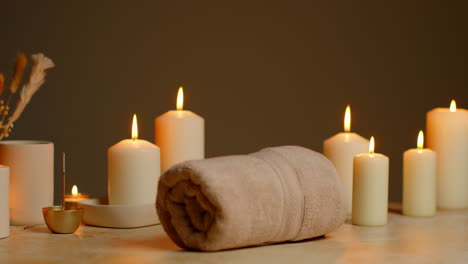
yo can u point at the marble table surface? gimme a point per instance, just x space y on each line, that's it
439 239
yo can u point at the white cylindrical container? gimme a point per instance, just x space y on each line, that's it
180 134
370 189
4 201
447 135
419 180
31 179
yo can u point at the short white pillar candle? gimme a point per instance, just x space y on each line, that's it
370 188
180 134
133 171
340 150
419 180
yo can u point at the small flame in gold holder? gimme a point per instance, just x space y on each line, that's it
63 219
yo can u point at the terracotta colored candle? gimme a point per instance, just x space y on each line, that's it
133 170
180 134
370 188
340 150
419 180
447 135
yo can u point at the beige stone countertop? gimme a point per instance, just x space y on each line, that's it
439 239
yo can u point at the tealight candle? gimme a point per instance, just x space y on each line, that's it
447 135
419 177
133 171
75 196
180 134
340 150
370 188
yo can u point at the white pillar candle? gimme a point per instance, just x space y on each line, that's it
133 171
180 134
31 179
340 150
447 135
419 178
370 188
4 201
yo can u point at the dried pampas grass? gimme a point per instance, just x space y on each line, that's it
21 62
36 78
2 83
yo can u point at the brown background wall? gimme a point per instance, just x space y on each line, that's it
262 73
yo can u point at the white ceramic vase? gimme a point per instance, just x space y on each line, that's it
31 179
4 201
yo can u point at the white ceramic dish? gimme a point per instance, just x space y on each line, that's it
98 212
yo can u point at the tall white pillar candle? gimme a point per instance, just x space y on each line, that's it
4 201
31 179
180 134
419 180
133 171
340 150
370 188
447 135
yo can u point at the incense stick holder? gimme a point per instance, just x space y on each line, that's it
61 221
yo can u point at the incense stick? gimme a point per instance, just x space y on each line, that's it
63 181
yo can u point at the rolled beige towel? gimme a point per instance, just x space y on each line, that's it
275 195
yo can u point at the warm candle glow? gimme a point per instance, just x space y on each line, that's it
347 119
76 196
74 190
371 145
134 128
180 99
420 140
453 106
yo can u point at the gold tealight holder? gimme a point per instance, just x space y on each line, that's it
63 219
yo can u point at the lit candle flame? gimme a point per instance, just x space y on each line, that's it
134 128
180 99
453 106
371 145
74 190
347 119
420 140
